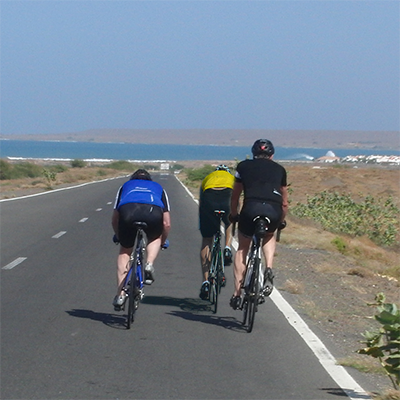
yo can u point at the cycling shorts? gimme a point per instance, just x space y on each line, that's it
252 209
210 201
136 212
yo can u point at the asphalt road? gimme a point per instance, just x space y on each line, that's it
61 338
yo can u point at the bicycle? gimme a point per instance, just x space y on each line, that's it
134 292
216 275
252 289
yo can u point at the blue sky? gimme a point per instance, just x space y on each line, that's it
69 66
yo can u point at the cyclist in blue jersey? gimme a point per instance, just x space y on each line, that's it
139 199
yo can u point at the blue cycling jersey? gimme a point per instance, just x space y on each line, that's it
140 191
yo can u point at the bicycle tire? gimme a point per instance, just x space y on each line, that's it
131 298
245 309
213 278
246 288
253 296
220 270
134 288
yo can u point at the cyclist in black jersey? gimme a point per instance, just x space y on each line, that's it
264 183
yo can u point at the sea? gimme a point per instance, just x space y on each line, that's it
91 151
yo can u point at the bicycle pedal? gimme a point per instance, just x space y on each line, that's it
261 300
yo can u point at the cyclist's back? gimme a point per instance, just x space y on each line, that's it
264 183
215 194
140 200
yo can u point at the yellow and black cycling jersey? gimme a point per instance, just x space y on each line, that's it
218 179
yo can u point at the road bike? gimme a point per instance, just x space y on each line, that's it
133 283
252 289
216 275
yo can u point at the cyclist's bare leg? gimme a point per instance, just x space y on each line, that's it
122 266
239 268
228 235
205 253
153 248
268 247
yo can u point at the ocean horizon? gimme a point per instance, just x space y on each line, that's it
70 150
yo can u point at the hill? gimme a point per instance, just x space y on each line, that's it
231 137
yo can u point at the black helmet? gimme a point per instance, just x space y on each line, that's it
223 167
262 146
141 174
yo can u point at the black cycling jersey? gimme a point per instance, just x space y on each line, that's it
262 179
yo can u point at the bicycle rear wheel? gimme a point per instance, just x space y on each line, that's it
131 299
252 299
216 276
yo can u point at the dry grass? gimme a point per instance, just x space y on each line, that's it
362 363
24 186
293 287
388 395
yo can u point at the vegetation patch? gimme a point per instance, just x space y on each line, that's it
384 344
378 219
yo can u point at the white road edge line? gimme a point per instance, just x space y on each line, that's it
59 234
61 189
14 263
338 373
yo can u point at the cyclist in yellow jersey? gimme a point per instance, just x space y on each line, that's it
215 194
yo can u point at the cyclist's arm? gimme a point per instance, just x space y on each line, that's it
114 221
166 226
237 190
285 202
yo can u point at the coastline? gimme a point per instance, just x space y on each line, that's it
334 139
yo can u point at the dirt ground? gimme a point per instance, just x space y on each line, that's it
331 291
334 289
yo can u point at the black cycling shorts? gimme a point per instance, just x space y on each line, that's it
136 212
210 201
252 209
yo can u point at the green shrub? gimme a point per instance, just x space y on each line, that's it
378 219
340 244
5 170
57 168
50 176
27 169
122 165
77 163
177 167
384 344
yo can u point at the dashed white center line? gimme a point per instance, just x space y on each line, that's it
59 234
83 219
14 263
109 203
99 209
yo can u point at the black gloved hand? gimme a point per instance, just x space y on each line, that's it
233 218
